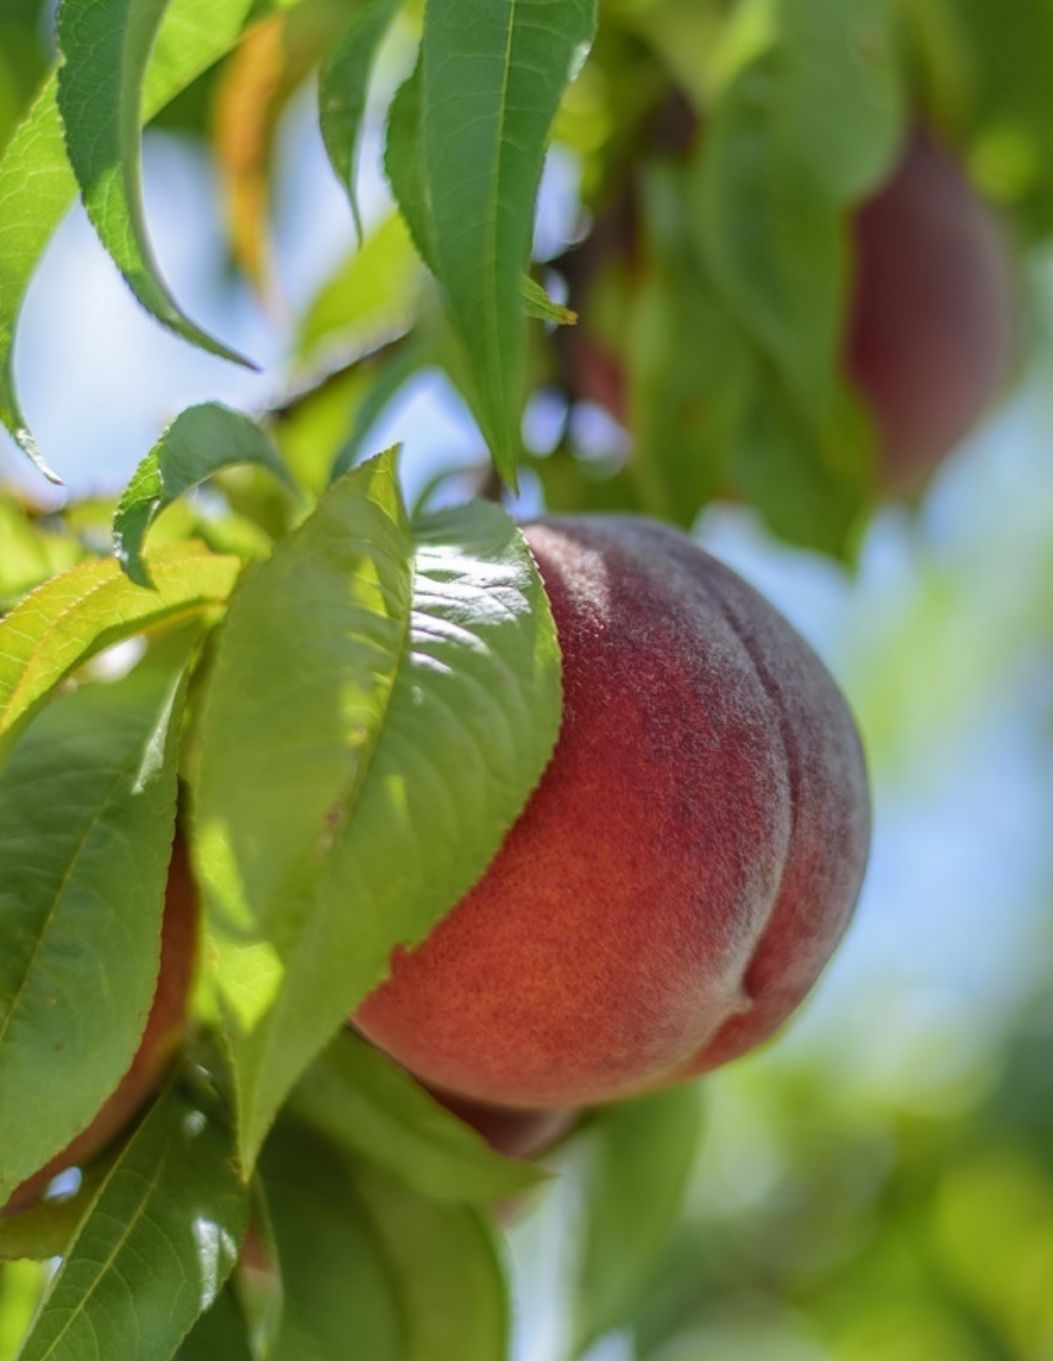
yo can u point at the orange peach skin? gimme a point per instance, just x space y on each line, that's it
161 1037
684 869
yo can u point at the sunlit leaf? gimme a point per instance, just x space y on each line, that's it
71 618
381 700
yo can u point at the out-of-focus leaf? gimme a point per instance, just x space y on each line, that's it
492 79
31 552
37 184
447 1272
811 493
343 88
808 125
157 1247
537 304
21 1286
371 294
373 1108
642 1155
106 45
46 1230
199 442
379 699
391 377
339 1295
242 120
689 369
87 809
220 1334
1010 114
72 618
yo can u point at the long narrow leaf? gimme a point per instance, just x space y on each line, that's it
106 46
342 92
37 184
492 79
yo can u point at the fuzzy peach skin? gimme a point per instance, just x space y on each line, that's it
161 1036
931 328
684 869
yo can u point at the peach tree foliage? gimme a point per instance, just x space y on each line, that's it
337 689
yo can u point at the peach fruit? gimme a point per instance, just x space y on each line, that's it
684 869
930 334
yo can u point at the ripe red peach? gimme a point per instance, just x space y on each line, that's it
930 334
686 865
515 1132
160 1039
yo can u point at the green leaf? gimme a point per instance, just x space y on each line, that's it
220 1334
46 1230
200 442
85 841
689 367
642 1156
22 1285
380 701
36 188
404 165
391 377
340 1298
73 617
106 47
1010 117
343 88
370 1106
37 184
449 1280
31 552
157 1247
805 129
371 293
810 493
492 79
537 304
